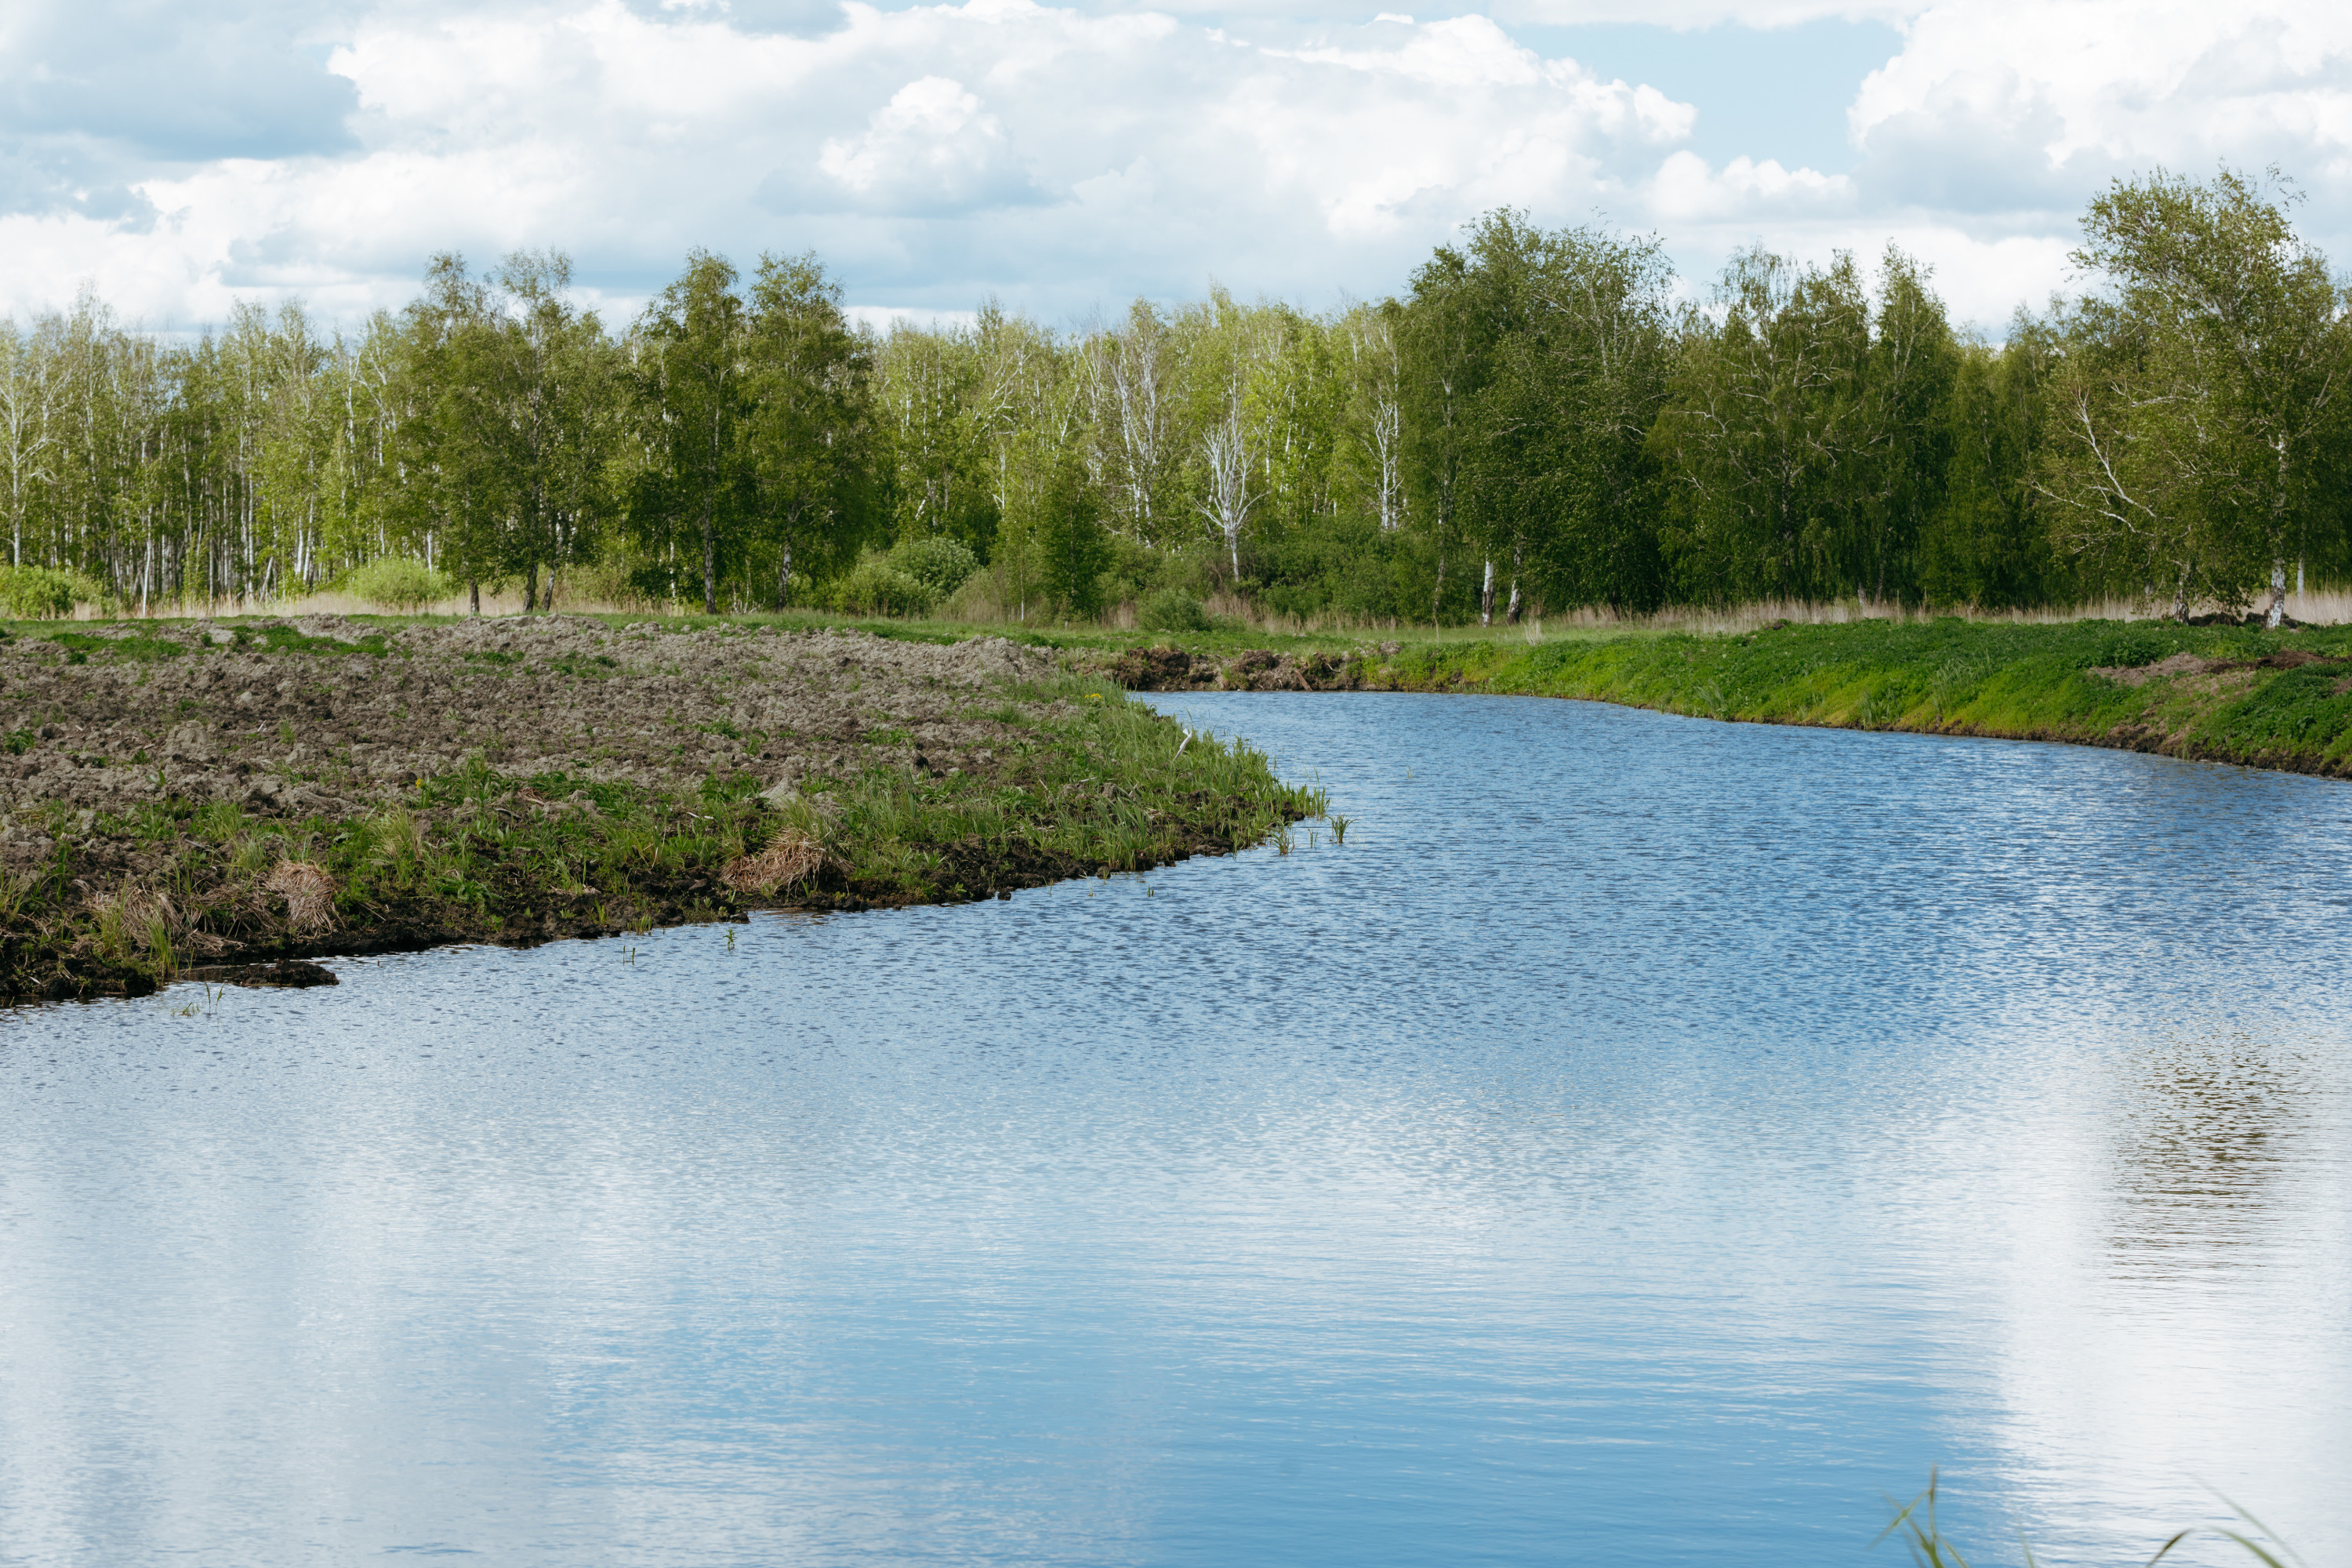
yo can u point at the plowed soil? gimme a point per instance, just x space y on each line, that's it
326 715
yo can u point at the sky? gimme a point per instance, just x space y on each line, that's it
1066 158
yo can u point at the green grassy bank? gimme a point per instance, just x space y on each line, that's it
2220 693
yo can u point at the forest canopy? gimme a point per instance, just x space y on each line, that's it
1539 420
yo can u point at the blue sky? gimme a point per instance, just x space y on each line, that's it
1768 93
1067 157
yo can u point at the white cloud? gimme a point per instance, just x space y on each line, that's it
1691 13
1064 157
1686 191
933 148
2024 106
931 154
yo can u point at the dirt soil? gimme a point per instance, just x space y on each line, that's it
2178 665
1255 669
336 718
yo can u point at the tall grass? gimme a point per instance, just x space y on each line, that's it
980 605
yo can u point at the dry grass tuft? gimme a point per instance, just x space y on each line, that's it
308 892
790 858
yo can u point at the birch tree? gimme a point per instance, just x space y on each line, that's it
1581 372
812 435
556 418
2132 471
27 444
1131 375
690 374
1373 417
2246 342
1761 437
1228 497
1442 348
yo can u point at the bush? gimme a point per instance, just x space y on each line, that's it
397 584
1173 610
608 579
875 587
941 564
38 594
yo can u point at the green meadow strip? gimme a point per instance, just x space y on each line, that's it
2218 693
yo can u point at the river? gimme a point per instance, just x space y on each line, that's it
1642 1140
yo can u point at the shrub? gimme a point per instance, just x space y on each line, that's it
875 587
941 564
398 583
1173 610
38 594
608 579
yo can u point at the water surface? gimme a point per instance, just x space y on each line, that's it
1645 1140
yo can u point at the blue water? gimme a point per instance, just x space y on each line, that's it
1643 1141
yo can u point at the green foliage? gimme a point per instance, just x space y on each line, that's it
2195 423
283 638
876 587
1173 610
932 386
1073 550
813 437
397 584
38 594
941 564
1535 424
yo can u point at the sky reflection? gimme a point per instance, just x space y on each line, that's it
1644 1139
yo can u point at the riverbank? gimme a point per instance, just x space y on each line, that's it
2228 694
224 797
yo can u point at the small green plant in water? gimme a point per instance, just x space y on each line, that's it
1915 1524
1340 829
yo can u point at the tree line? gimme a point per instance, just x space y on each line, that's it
1540 420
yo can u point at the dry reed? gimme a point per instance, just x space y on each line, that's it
790 858
308 892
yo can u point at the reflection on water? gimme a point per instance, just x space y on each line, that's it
1645 1140
2204 1126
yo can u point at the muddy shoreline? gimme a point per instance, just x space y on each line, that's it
186 797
